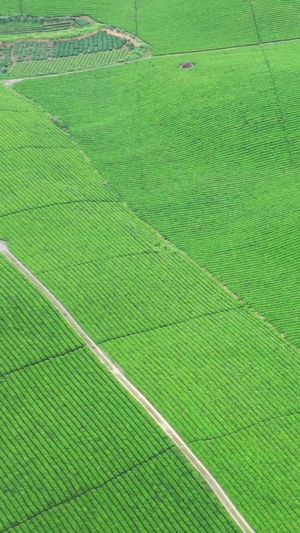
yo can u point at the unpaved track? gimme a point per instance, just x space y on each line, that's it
120 376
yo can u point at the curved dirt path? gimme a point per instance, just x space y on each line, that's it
134 391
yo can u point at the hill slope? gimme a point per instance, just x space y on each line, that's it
218 366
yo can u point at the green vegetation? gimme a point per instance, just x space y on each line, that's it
170 26
280 22
230 387
71 452
42 54
118 13
209 157
10 28
59 172
99 42
10 7
67 64
16 24
207 160
207 362
5 59
50 32
41 333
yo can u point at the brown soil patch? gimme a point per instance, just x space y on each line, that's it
187 65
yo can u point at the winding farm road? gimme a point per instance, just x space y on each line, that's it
136 393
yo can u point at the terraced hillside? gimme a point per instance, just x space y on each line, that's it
206 160
34 46
10 7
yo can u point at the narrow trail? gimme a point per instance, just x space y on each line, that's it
134 391
11 82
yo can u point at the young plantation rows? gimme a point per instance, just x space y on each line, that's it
16 28
67 64
210 365
75 449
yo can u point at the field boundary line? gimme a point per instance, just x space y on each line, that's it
173 324
91 489
246 428
281 120
108 257
58 204
136 17
253 12
12 81
117 371
36 363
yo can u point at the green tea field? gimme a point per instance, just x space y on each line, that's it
149 266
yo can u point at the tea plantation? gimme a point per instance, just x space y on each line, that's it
119 13
76 450
81 457
210 159
160 205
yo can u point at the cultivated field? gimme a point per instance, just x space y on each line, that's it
34 46
209 157
141 298
182 27
107 453
160 206
10 7
76 448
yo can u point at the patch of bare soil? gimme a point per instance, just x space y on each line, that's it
187 65
119 33
10 83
